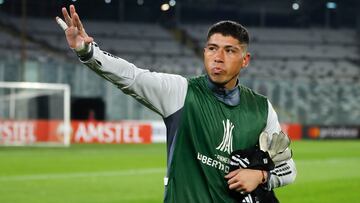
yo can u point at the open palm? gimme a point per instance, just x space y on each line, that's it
75 32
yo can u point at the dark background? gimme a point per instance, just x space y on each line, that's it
276 13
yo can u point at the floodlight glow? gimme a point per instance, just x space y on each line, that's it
73 0
140 2
172 2
1 1
165 7
107 1
331 5
295 6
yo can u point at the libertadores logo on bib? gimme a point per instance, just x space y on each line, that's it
227 141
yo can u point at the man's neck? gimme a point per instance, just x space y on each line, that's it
230 97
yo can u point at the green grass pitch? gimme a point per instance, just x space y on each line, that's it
328 171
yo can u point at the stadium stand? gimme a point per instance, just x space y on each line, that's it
305 71
310 75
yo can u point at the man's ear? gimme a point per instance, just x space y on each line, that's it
246 60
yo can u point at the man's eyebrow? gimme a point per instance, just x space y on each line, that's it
226 46
231 46
212 44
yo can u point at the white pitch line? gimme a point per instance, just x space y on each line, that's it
84 174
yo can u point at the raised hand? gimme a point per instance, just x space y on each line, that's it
75 33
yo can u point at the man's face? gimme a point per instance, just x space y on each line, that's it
224 57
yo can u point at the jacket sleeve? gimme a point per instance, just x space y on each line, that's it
163 93
284 172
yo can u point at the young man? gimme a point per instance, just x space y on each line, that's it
207 118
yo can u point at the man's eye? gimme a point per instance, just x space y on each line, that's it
230 51
212 48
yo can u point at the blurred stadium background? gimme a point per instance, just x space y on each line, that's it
305 58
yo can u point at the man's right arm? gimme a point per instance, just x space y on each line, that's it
161 92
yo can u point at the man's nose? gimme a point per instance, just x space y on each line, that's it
219 56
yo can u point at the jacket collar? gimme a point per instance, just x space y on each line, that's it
230 97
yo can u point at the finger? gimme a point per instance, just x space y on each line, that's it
77 22
61 23
66 17
72 10
232 181
237 186
232 174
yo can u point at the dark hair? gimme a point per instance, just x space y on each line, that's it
230 28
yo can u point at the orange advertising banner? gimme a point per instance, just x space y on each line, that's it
293 130
39 131
15 132
111 132
29 131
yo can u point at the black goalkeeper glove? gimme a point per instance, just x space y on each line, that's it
252 158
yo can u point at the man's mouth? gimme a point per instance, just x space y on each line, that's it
216 70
